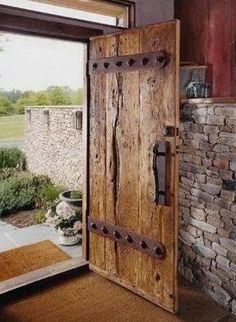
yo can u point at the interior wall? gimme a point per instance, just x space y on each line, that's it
148 12
208 32
207 199
151 11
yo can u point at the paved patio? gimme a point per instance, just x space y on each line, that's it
12 237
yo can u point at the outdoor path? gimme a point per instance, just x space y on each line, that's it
18 143
12 237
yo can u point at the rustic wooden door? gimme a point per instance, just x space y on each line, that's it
133 168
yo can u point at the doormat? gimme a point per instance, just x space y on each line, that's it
25 259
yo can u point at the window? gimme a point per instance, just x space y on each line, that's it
102 12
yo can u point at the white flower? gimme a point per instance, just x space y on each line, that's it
64 211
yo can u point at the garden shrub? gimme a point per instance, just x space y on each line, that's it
6 173
12 158
40 217
20 192
48 194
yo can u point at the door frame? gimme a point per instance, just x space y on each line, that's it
33 23
27 22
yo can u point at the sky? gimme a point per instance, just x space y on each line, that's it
32 63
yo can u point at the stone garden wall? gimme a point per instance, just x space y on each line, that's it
208 199
54 144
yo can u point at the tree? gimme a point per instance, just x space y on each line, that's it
27 99
77 97
59 95
16 101
12 95
6 107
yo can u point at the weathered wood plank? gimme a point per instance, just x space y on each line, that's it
97 147
127 137
134 108
158 108
45 273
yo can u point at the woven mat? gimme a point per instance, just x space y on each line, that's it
91 298
26 259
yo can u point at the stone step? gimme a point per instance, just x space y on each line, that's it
36 233
6 243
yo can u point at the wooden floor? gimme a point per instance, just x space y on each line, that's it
88 297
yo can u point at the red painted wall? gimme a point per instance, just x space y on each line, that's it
208 35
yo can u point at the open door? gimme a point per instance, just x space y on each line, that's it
133 162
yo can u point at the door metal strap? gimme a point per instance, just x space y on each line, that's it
126 237
128 63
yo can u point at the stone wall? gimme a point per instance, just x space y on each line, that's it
208 199
207 184
54 144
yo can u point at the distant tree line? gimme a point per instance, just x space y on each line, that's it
15 101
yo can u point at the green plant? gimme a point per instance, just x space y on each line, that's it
76 194
20 193
12 158
40 217
48 194
6 173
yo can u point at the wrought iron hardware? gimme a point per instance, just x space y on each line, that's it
161 153
170 131
128 238
128 63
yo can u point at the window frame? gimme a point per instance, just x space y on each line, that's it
130 5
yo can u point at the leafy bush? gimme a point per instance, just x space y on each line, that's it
40 217
20 193
48 194
5 106
6 173
11 158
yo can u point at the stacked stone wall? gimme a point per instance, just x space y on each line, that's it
53 144
208 199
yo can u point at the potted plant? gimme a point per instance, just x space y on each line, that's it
73 198
67 221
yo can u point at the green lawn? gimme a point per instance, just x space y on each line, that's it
12 127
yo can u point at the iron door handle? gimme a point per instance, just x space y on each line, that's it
161 153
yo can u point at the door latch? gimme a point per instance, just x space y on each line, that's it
161 153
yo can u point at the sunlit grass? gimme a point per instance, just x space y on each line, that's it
12 127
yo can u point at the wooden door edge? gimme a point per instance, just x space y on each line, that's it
85 131
177 142
118 281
